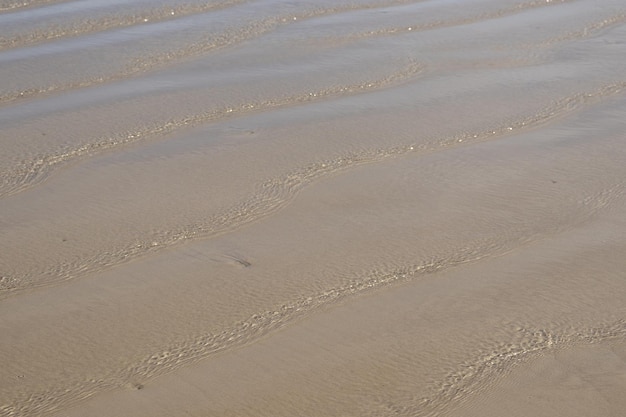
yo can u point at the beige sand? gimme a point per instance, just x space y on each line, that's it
373 208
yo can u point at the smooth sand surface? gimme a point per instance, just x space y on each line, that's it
331 208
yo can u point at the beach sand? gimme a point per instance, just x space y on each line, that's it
331 208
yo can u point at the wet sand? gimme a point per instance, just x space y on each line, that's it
374 208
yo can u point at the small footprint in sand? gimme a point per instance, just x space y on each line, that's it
237 261
135 386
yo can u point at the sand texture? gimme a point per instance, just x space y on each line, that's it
318 208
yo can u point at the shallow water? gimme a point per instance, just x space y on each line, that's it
339 207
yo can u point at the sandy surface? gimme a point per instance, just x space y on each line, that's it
275 208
